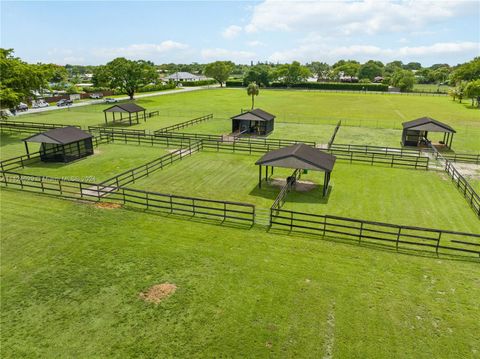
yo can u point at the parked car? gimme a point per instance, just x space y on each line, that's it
64 102
96 95
39 104
110 100
5 113
22 107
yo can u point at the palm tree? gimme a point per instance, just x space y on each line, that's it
252 90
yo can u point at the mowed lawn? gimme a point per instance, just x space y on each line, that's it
107 161
380 111
400 196
11 145
71 284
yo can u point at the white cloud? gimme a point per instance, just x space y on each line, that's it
309 52
224 54
353 17
255 43
140 50
231 32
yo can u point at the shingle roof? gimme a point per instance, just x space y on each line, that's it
427 124
182 75
299 156
125 107
254 115
60 136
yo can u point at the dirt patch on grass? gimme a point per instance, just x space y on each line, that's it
300 186
158 292
107 205
468 169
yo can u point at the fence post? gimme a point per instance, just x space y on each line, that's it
81 189
291 221
398 237
60 186
361 233
171 204
438 242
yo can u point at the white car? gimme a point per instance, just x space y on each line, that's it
40 104
110 100
96 95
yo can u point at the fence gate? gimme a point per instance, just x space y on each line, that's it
262 216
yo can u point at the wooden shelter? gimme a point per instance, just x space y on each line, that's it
63 144
127 109
415 133
298 156
254 122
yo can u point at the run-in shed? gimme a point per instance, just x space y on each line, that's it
416 132
299 156
63 144
254 122
125 108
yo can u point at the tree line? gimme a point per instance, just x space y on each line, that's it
21 81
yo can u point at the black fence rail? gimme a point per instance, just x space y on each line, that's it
376 149
462 184
144 170
462 157
337 127
29 127
272 142
194 136
397 236
104 130
152 201
185 124
146 139
392 160
282 195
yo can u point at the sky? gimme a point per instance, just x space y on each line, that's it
94 32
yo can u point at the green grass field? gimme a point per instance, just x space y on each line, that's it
107 161
401 196
71 284
72 272
304 107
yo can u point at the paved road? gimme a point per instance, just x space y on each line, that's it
93 102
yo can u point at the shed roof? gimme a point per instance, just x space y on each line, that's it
299 156
125 107
427 124
182 75
60 136
254 115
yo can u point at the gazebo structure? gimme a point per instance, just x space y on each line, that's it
254 122
63 144
299 156
415 133
125 108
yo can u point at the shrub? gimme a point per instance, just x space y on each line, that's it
198 83
234 83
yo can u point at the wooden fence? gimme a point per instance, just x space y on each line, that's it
397 236
462 157
144 170
392 160
462 184
185 124
272 142
152 201
146 139
29 127
337 127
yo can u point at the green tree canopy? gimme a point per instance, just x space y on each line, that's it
403 79
219 70
292 73
468 71
369 70
19 79
260 74
321 70
472 91
126 75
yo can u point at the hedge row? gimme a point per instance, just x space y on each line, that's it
158 87
198 83
322 86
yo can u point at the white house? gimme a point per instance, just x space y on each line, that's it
184 76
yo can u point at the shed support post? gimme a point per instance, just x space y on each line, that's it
451 140
260 176
130 118
136 116
105 117
113 113
266 174
26 147
144 116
